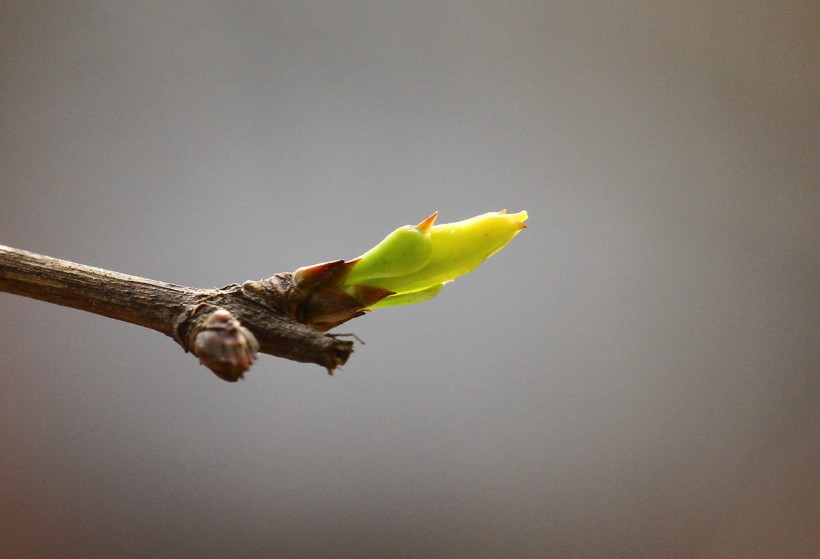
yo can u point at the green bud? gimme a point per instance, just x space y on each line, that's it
409 266
435 255
402 252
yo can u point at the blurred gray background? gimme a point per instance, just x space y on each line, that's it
636 375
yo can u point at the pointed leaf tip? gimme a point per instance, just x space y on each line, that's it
425 225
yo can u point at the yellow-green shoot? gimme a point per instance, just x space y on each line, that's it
410 265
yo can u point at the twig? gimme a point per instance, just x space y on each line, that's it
221 326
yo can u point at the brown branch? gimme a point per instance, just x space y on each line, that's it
265 312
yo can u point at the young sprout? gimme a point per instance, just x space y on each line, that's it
409 266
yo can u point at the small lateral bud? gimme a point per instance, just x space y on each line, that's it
225 346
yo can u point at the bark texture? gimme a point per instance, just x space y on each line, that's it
268 308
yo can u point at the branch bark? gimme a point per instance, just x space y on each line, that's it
269 309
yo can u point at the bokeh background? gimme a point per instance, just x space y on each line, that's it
636 375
